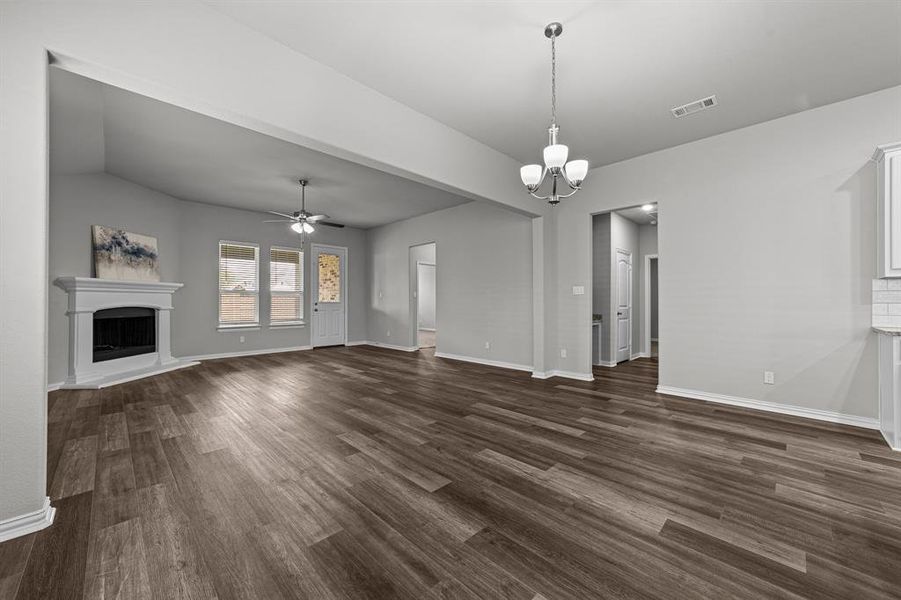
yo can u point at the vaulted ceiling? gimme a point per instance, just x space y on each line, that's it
99 128
484 67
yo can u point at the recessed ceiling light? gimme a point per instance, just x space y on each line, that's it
647 207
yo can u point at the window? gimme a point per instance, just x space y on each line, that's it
286 286
239 290
329 278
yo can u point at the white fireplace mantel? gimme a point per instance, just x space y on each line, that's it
88 295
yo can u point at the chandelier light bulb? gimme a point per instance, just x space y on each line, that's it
307 228
555 155
647 207
576 170
531 175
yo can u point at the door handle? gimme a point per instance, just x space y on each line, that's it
619 314
315 310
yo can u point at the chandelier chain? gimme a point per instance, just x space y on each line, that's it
553 80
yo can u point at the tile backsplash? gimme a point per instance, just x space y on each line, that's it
887 303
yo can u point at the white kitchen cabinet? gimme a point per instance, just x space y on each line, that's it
888 209
890 385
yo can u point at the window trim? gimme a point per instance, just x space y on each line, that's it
226 326
296 323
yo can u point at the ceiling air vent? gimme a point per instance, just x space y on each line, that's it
693 107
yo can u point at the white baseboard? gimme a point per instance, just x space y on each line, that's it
640 355
427 329
246 353
564 374
484 361
774 407
392 346
356 343
607 364
52 387
889 441
27 523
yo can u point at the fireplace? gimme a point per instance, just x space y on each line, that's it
118 330
124 331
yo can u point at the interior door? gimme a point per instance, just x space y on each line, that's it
623 305
329 295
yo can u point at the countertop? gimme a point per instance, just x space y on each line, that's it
888 330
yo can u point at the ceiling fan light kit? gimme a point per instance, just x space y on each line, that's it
301 221
555 154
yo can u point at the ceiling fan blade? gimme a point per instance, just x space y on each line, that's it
272 212
314 218
327 224
280 221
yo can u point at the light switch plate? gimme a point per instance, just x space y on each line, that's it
578 290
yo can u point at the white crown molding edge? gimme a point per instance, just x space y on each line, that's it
28 523
773 407
202 357
115 285
484 361
884 149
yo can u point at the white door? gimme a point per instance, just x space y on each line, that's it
329 295
623 305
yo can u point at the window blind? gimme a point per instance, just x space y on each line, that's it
286 285
239 268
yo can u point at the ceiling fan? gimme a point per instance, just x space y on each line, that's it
302 221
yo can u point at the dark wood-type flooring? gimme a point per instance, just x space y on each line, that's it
369 473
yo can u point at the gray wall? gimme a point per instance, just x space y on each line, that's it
188 235
484 281
426 296
654 299
647 244
602 291
781 282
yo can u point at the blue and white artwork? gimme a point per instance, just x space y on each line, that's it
124 255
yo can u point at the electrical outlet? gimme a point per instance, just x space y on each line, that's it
241 339
769 377
578 290
487 345
562 352
389 333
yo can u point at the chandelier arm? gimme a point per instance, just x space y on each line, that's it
569 194
534 195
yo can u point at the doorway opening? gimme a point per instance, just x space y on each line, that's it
424 295
624 285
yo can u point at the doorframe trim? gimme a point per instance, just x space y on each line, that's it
614 289
646 303
344 283
413 293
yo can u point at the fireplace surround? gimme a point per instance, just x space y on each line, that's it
118 330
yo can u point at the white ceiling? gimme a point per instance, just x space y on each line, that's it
638 216
483 67
96 127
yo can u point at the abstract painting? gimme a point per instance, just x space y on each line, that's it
124 255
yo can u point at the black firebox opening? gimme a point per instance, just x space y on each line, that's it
121 332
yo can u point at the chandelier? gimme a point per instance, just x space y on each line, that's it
555 154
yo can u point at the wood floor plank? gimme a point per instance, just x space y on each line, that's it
368 473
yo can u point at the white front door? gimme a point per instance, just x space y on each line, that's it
329 295
623 305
